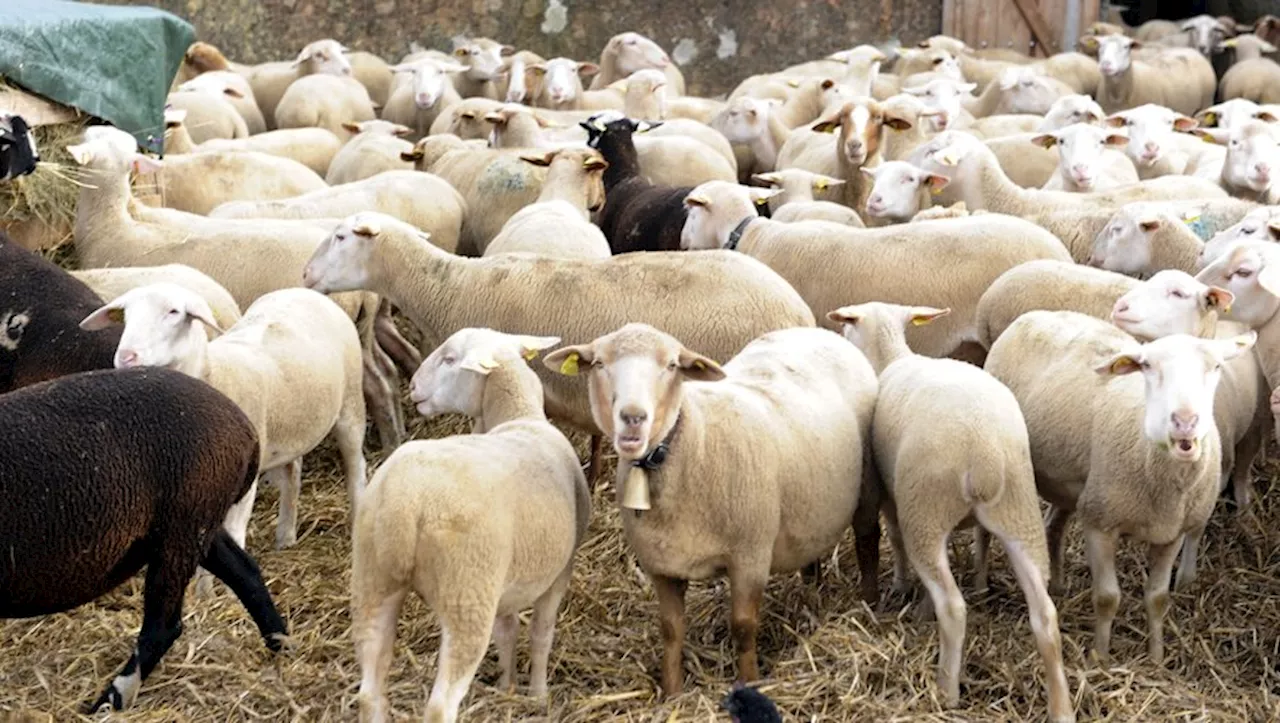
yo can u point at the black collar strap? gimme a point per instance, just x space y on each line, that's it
652 461
736 235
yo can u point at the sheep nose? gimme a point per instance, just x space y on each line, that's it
127 358
1262 168
1151 147
1120 307
1184 422
633 416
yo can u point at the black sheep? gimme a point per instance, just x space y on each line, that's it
748 705
41 306
18 152
105 472
637 215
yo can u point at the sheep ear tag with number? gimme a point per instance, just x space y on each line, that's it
569 367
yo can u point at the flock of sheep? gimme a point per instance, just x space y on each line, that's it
1049 280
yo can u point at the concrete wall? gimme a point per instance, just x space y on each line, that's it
716 42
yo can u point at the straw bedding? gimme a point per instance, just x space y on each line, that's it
826 656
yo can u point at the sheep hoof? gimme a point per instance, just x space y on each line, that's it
286 539
204 585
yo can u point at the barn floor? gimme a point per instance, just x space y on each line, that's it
827 657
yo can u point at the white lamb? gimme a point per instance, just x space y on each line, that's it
1087 160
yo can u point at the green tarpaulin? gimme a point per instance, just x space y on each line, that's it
115 63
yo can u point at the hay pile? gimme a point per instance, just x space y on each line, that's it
39 210
828 658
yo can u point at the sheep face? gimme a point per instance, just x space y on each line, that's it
944 96
1206 34
1231 113
1171 302
452 378
1070 109
866 325
635 383
895 195
1150 129
1258 224
482 57
323 56
744 120
1080 152
163 327
1181 374
560 79
1251 272
430 79
861 123
633 51
1124 244
714 209
342 261
1253 156
111 151
796 184
1115 54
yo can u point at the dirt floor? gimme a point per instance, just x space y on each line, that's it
827 657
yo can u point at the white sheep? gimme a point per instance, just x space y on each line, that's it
200 182
312 147
560 83
1159 145
417 102
235 89
1231 113
1019 89
375 146
1141 239
1047 285
832 265
210 115
1173 302
756 132
481 526
112 282
1252 159
1131 455
421 199
628 52
1178 78
951 447
1071 109
292 363
1252 76
465 119
901 190
324 100
483 61
442 293
645 97
271 80
1087 160
789 415
558 223
1262 223
795 198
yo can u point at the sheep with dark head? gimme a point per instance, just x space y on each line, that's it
109 471
41 306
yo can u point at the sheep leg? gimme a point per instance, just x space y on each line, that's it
386 368
901 583
671 612
1056 537
1187 565
927 550
380 402
811 574
389 338
373 627
234 567
866 533
1101 548
161 626
349 434
236 523
1044 626
593 466
506 629
981 546
543 631
1242 472
1157 596
746 592
464 638
288 478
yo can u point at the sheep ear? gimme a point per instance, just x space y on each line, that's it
897 123
822 183
1265 47
921 315
81 154
531 345
588 69
480 361
828 124
845 315
699 368
760 196
1207 117
1115 140
146 164
1235 346
595 163
1115 121
697 199
1149 224
1183 124
935 182
368 229
351 127
497 117
1089 45
646 126
770 178
870 172
1269 279
413 155
399 130
538 160
1218 298
538 68
507 50
233 92
199 310
569 359
1047 140
1265 116
1119 364
103 317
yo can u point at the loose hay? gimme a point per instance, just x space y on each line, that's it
828 657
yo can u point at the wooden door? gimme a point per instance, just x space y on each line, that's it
1035 27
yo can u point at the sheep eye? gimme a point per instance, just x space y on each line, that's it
174 312
597 365
1243 273
671 366
1248 231
448 361
1177 294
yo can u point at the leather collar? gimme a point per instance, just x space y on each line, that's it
654 460
736 235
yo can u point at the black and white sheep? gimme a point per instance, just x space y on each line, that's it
109 471
18 152
41 306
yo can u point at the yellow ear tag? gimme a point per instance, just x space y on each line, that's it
821 185
1119 364
935 191
697 364
569 367
1226 309
920 320
530 354
116 315
1210 119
